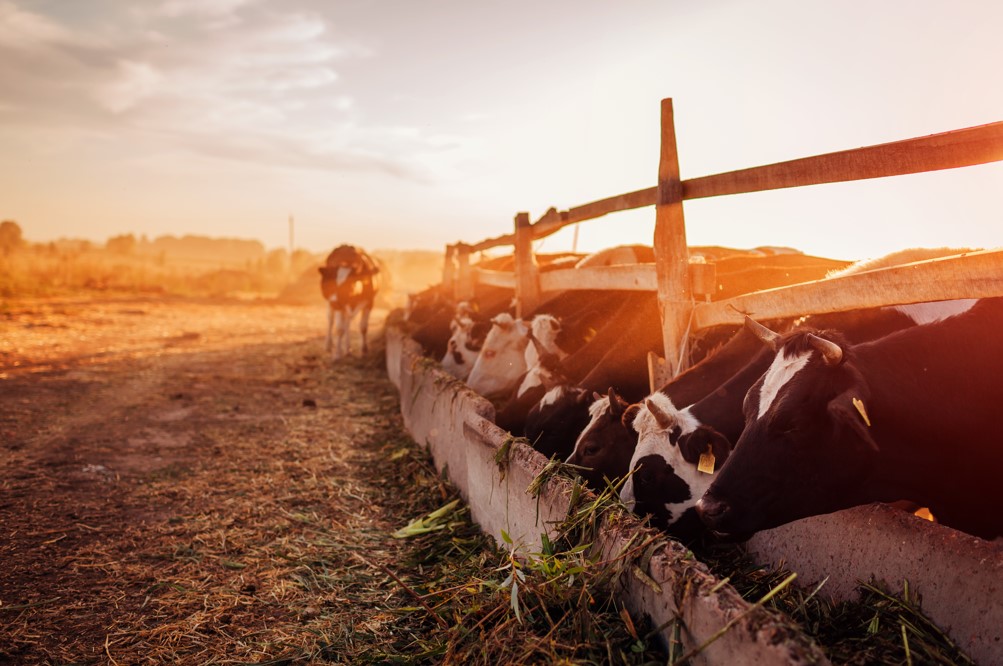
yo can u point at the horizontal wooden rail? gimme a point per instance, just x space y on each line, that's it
488 243
636 277
971 275
948 150
552 223
494 278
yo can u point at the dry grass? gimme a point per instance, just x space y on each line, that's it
205 487
216 503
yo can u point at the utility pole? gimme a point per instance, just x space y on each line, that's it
291 226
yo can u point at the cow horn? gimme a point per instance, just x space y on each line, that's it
771 338
663 420
617 405
831 352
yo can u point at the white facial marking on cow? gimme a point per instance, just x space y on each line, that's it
545 328
653 439
502 360
552 396
535 376
342 275
645 423
781 371
596 411
461 326
929 313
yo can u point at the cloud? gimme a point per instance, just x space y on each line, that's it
214 8
25 30
135 81
264 89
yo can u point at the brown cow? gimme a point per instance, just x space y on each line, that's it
349 282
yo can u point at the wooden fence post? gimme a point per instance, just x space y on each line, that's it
671 255
465 275
527 278
449 271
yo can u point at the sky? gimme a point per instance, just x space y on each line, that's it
411 124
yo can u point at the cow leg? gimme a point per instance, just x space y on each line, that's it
364 328
341 321
330 322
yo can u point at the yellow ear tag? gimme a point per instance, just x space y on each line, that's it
589 334
859 404
706 463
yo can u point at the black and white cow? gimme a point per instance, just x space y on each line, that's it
675 437
911 416
469 331
349 282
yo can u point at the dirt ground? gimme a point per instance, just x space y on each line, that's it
188 481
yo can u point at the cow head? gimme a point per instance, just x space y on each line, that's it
544 371
604 448
466 341
460 357
502 359
556 420
806 448
665 483
544 329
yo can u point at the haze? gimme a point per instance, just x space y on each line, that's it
403 124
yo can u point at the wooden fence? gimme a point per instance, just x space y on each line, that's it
971 275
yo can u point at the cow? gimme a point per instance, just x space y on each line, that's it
469 331
831 425
715 422
433 313
349 282
561 412
504 348
607 438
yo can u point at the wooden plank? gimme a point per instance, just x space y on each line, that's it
971 275
620 202
449 270
527 277
464 286
948 150
488 243
494 278
638 277
671 253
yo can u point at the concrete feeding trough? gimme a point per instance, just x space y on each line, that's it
956 578
457 426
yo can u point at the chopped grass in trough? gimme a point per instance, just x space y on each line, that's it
879 627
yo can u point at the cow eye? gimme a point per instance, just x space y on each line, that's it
489 353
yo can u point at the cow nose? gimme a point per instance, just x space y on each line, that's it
711 510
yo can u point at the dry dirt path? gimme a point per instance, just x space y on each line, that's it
191 482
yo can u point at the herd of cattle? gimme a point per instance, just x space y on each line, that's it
772 422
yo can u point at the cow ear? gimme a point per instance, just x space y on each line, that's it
697 443
849 410
504 323
629 414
